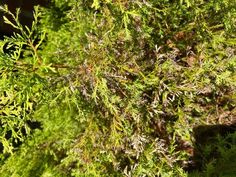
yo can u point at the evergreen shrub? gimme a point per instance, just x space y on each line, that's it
115 88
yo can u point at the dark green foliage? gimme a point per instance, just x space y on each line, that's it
117 86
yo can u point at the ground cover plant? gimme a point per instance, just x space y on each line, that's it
118 88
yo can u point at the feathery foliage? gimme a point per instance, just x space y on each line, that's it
116 87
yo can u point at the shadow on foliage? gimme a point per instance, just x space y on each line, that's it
26 15
16 142
214 151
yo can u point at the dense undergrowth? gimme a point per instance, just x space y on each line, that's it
116 88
